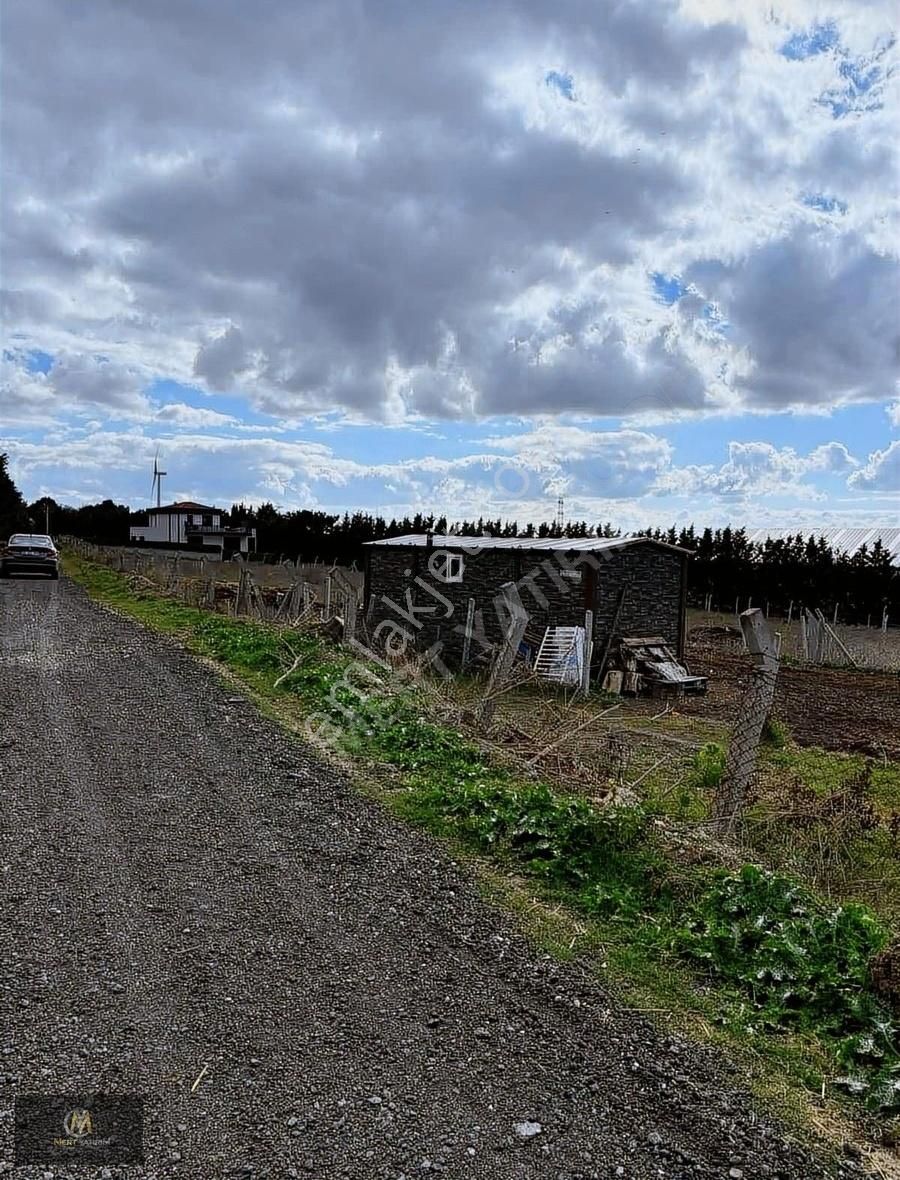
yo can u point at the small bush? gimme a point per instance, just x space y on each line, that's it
603 855
775 733
707 767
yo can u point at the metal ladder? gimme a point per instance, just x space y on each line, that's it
561 655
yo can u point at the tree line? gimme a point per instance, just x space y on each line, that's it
727 569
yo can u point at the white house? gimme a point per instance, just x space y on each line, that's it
186 523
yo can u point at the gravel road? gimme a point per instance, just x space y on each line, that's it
185 887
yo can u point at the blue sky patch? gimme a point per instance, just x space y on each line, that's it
34 360
863 80
824 203
859 77
667 288
39 362
818 39
712 314
564 83
166 391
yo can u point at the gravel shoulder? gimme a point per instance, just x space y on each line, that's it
185 886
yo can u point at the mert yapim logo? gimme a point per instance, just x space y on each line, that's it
83 1128
77 1123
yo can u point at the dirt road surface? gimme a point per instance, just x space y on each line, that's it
186 888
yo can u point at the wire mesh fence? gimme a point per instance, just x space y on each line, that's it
285 592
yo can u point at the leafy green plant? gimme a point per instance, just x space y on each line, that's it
803 964
775 733
707 767
603 857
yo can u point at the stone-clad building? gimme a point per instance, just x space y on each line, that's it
418 589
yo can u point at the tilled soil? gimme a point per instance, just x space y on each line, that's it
187 887
855 710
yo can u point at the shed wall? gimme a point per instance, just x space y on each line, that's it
407 605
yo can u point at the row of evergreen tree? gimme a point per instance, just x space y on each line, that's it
727 568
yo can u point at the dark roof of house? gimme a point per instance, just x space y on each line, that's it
528 544
183 506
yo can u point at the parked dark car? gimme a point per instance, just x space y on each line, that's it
29 553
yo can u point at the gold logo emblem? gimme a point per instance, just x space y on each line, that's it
77 1124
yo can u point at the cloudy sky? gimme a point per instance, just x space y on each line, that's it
455 256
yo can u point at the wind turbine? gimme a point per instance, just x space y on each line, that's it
157 480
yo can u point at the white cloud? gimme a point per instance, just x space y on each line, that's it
76 382
178 414
758 470
832 457
629 477
881 473
309 214
26 398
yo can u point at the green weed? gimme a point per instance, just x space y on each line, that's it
775 733
707 768
802 964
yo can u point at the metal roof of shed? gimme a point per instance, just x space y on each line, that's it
527 544
846 540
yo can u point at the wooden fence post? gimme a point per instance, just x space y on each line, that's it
241 600
756 704
350 616
513 633
467 638
588 651
837 642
